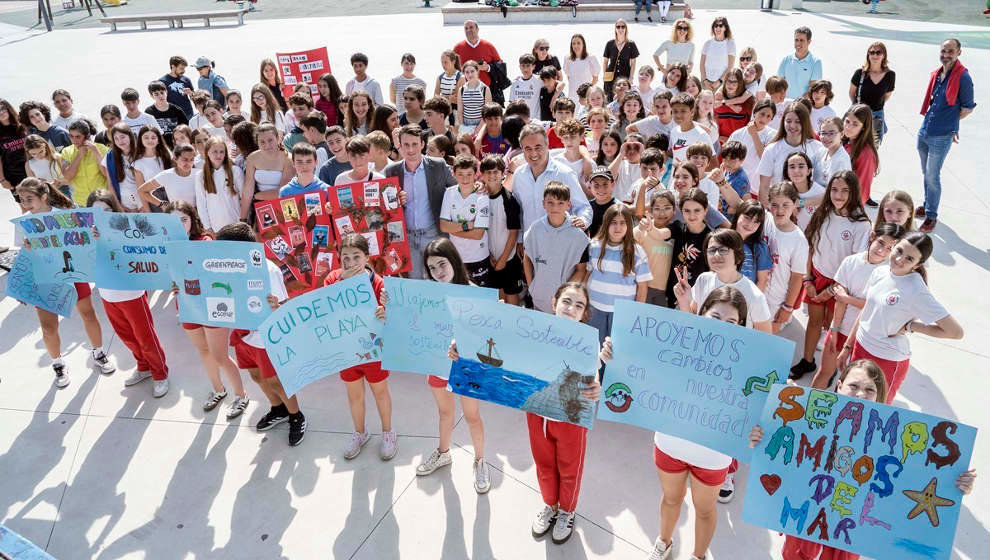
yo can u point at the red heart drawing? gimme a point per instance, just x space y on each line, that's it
771 482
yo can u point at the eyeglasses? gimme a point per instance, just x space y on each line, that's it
543 48
825 133
745 58
876 53
720 251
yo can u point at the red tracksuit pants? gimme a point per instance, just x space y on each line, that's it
558 451
132 322
800 549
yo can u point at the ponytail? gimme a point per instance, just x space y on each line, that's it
45 189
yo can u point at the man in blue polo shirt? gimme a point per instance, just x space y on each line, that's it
948 100
800 68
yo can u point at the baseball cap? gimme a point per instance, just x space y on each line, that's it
203 61
601 171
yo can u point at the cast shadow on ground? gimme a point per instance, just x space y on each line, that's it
948 244
369 518
969 39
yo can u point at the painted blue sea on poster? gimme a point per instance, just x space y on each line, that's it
131 250
418 325
524 359
874 479
62 243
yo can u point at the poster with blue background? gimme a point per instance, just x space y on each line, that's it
865 477
418 324
57 298
62 244
319 333
524 359
131 250
690 376
221 283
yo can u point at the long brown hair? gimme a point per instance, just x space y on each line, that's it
883 63
807 131
740 83
865 140
118 155
730 295
576 286
352 124
208 184
261 72
444 247
15 122
106 197
44 189
854 206
873 371
196 229
619 211
161 150
902 197
584 47
271 104
34 142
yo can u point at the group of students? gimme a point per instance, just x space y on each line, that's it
727 200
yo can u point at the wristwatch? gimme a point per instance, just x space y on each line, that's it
465 226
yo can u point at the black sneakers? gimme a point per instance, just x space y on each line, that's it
273 418
297 428
801 368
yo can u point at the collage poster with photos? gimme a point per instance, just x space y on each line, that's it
372 209
298 238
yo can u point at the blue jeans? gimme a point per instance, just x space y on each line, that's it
418 240
879 126
933 150
641 3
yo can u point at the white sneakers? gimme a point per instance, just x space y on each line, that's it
390 444
544 519
482 477
728 489
137 377
563 527
661 550
103 362
159 388
434 462
61 375
358 439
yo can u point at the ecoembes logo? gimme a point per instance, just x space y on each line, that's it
220 309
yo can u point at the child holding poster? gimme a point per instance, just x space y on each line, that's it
838 228
131 318
354 254
37 197
849 290
251 354
618 267
861 379
680 461
898 302
443 264
212 343
559 447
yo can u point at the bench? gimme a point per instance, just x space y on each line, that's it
176 19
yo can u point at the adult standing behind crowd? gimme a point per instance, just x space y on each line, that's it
179 86
873 84
541 52
580 67
423 181
619 58
530 179
211 82
679 48
949 99
802 67
477 49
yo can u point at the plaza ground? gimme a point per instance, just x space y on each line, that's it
99 471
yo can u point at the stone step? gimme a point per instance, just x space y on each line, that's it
587 12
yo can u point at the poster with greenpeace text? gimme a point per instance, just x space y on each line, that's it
869 478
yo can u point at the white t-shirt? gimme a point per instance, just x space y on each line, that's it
278 290
651 125
892 301
149 167
779 114
680 140
64 122
578 72
804 214
472 208
198 121
752 161
528 91
710 189
690 452
628 174
137 122
819 115
676 52
717 55
345 177
789 252
222 207
839 238
774 156
757 310
176 187
853 275
128 187
116 296
839 161
576 166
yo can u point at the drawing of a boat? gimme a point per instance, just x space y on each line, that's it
488 358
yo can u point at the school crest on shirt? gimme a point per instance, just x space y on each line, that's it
846 235
893 298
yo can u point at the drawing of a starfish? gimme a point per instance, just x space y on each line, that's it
927 500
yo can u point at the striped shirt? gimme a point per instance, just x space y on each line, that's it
474 100
400 83
448 83
608 284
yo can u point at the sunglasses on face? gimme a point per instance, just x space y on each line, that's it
717 25
620 26
876 53
745 58
683 28
543 48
